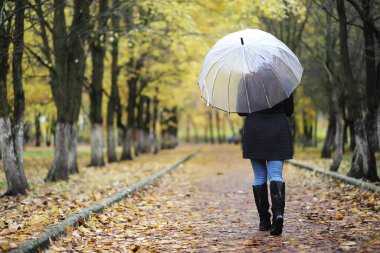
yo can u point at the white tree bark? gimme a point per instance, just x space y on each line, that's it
15 176
97 158
60 167
73 152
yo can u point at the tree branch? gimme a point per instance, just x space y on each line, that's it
39 59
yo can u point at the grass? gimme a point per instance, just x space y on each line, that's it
313 155
49 154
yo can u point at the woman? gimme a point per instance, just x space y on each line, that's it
267 142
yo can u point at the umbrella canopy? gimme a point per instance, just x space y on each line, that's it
248 71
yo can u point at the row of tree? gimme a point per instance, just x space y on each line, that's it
63 34
118 58
341 50
338 43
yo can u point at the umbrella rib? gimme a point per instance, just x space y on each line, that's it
228 87
285 62
261 82
212 91
275 72
216 61
245 83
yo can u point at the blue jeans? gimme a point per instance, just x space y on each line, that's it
263 169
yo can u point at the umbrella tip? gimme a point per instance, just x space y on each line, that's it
241 40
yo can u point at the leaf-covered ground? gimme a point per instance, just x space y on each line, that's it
312 156
207 205
22 218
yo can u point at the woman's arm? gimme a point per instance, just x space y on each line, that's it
289 105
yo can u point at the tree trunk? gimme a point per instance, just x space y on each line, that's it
371 128
59 170
205 137
156 146
67 77
76 69
218 131
234 137
147 122
38 129
48 136
113 101
60 167
16 179
211 128
188 129
111 144
352 135
18 89
140 127
97 48
11 140
224 132
363 161
196 136
174 128
378 125
307 130
126 153
328 143
73 144
373 92
97 145
128 140
315 143
339 128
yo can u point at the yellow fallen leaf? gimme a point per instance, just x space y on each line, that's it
56 248
4 245
339 216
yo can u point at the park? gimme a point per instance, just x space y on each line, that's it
124 124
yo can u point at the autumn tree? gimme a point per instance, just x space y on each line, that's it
12 132
65 60
97 49
363 161
114 105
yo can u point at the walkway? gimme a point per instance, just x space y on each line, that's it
207 205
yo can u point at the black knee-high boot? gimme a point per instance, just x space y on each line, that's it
277 192
261 198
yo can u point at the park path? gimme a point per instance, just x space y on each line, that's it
206 205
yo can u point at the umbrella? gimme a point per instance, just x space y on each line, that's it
248 71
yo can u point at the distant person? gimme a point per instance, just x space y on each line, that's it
267 141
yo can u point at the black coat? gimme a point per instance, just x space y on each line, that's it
266 133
